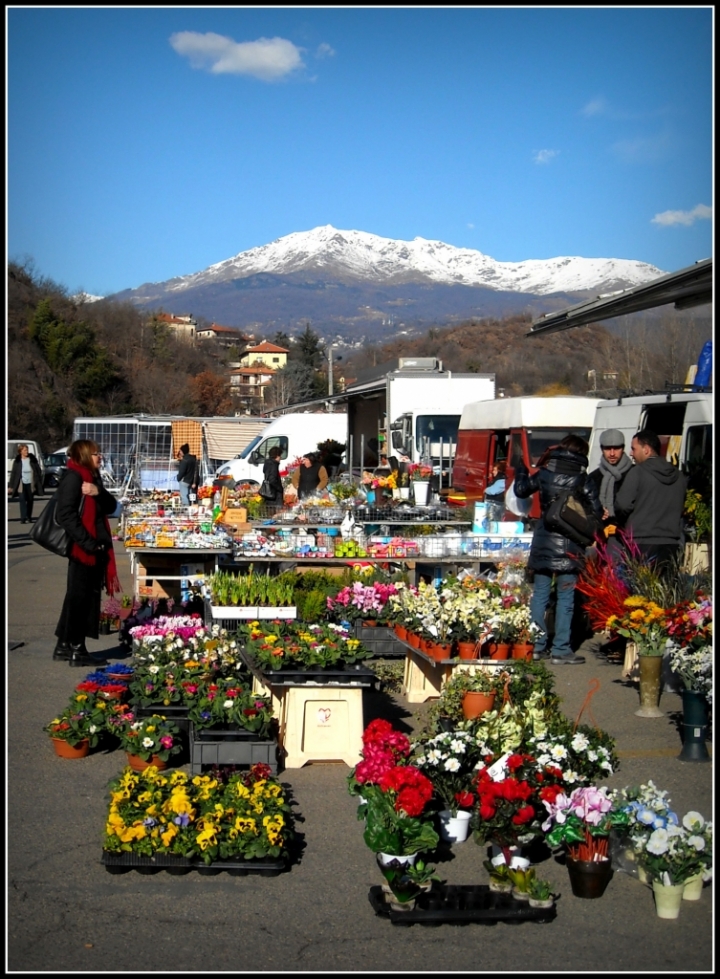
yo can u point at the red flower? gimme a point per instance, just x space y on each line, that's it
523 815
464 799
549 793
487 811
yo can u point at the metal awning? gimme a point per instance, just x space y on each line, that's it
691 286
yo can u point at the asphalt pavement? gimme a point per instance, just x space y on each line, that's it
66 913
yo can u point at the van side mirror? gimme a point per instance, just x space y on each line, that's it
255 458
397 440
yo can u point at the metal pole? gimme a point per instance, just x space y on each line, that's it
362 454
441 463
330 373
350 457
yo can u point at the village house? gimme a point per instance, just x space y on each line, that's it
266 353
224 336
184 327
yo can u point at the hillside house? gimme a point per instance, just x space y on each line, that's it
224 336
184 327
248 385
266 353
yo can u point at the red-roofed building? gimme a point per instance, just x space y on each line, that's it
183 326
226 336
248 384
266 353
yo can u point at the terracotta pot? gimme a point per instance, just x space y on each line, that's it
414 639
475 703
370 623
497 650
139 764
125 612
401 632
442 651
522 650
468 650
65 750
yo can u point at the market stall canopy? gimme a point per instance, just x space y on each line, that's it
691 286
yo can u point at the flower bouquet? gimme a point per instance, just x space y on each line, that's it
642 621
147 737
383 748
673 853
418 472
582 821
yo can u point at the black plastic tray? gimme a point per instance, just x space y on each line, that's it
226 734
451 904
342 674
121 863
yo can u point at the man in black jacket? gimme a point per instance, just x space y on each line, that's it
553 556
187 473
651 500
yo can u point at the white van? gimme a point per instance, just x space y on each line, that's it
295 434
12 451
682 420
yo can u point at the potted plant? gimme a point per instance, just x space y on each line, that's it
420 478
521 878
477 690
540 893
77 728
126 606
397 826
582 822
449 760
148 740
643 621
382 749
499 874
229 703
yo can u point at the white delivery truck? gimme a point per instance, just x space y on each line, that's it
295 434
411 409
681 419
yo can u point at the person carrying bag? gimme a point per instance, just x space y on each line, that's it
83 506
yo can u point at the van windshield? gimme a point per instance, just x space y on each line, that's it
249 447
540 439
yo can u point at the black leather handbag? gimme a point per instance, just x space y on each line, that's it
48 533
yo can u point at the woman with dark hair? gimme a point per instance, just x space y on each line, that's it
552 556
82 509
187 473
271 474
310 477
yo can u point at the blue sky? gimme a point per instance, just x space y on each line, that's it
147 143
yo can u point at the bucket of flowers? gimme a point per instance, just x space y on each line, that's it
449 760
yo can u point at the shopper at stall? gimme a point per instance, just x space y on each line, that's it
271 475
310 477
495 493
187 473
25 481
554 557
82 509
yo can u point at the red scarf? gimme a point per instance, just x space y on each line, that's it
88 515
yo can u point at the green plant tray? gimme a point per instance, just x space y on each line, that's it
451 904
121 863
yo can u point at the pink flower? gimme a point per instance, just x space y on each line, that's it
166 741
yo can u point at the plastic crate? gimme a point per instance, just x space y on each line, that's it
461 904
230 748
379 640
120 863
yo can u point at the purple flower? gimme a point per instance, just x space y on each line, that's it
148 821
182 820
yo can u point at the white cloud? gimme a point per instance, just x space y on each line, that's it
643 149
701 212
324 51
470 224
545 156
595 107
268 58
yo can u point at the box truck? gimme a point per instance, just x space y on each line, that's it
410 408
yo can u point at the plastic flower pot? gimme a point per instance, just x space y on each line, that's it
497 650
522 650
139 764
695 724
468 650
650 681
589 878
668 899
65 750
476 702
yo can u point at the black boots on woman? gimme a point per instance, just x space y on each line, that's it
77 655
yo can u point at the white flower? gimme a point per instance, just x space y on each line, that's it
452 765
571 776
93 728
696 842
558 752
457 746
693 821
605 763
153 669
136 725
228 704
148 742
658 842
592 755
544 759
434 756
579 742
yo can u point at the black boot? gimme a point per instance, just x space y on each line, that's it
62 650
79 656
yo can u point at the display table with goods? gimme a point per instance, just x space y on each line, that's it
314 678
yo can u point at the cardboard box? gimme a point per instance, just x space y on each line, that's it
234 515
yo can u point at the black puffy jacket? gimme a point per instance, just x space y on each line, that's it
563 470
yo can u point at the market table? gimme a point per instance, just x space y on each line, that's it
175 557
425 677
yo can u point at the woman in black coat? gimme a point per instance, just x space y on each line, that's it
83 506
562 467
25 479
271 473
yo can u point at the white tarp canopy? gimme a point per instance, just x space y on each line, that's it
226 438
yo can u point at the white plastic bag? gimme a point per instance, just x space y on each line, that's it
521 508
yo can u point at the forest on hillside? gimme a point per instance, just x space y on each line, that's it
68 358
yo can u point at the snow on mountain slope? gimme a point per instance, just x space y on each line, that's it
360 255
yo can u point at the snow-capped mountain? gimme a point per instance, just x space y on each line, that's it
362 256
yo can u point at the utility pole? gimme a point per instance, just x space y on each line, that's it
330 370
